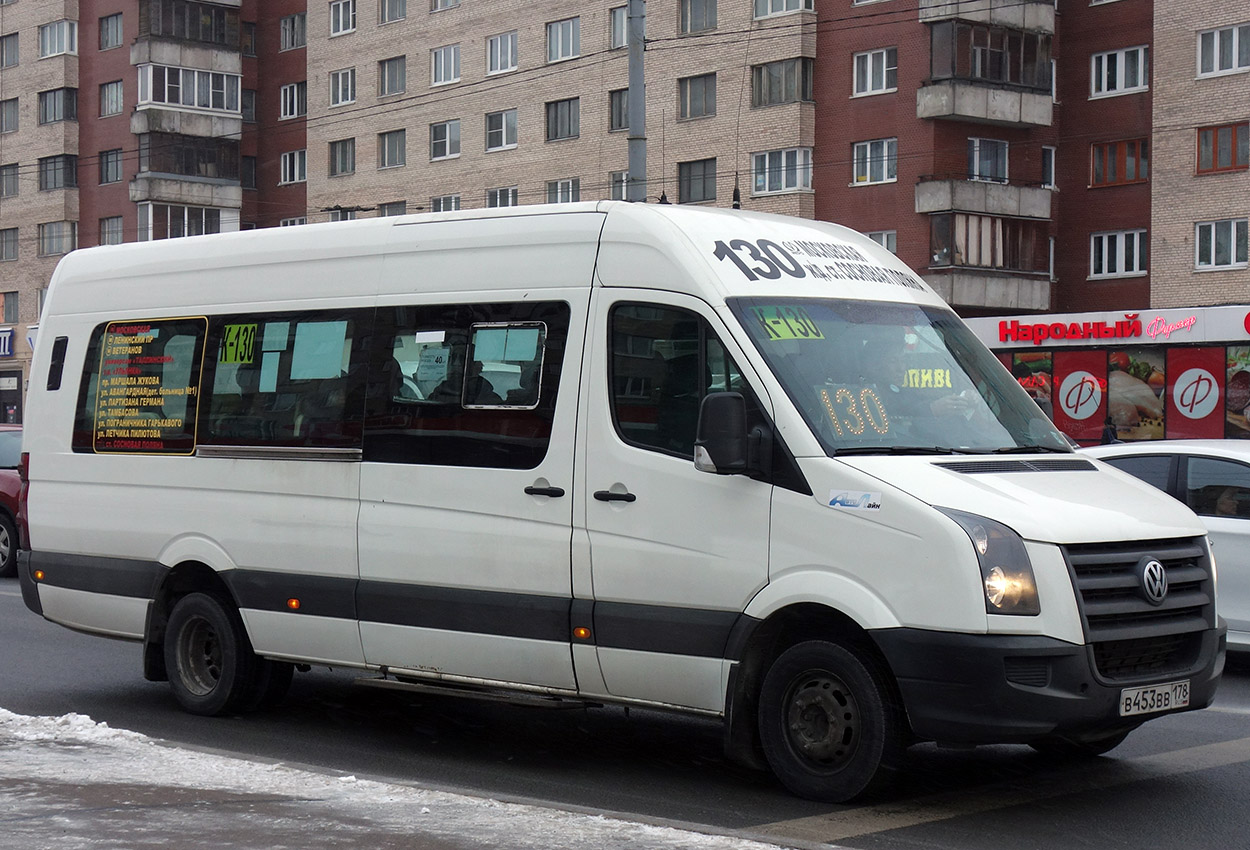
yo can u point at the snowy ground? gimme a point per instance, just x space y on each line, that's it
69 782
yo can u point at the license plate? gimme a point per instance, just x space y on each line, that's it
1154 698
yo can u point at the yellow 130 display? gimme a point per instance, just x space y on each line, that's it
852 413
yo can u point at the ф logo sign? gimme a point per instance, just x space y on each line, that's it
1196 394
1079 395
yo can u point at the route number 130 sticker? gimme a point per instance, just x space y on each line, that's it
762 259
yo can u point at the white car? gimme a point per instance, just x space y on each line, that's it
1213 478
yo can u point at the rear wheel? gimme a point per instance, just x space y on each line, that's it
829 725
211 666
8 547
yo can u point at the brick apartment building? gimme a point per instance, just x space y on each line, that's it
1013 183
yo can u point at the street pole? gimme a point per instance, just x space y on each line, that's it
636 184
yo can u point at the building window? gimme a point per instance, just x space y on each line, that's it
193 156
764 8
189 87
9 183
188 20
8 243
501 130
876 71
247 38
698 15
1118 254
782 170
111 230
171 221
58 105
10 308
292 32
58 172
987 160
445 203
696 96
110 98
392 149
58 38
1115 163
887 239
392 10
392 76
393 208
1221 244
501 53
966 51
1119 72
618 182
293 222
787 81
342 87
564 39
8 50
445 65
294 167
294 100
1225 148
111 166
57 237
342 17
1048 167
505 197
563 119
247 176
247 105
986 241
342 157
439 5
618 109
8 115
445 139
564 191
876 161
341 214
618 21
696 181
111 31
1224 51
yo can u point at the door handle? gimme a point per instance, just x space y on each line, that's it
609 496
553 492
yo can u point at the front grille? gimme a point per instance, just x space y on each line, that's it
1131 637
1034 672
999 467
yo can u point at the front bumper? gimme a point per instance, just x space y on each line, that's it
997 689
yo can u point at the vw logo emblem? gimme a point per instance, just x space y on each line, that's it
1154 580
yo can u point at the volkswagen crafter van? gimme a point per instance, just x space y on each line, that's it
723 463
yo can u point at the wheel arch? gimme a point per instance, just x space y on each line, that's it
182 578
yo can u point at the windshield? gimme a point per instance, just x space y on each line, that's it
874 377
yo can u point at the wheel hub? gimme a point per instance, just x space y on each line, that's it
822 719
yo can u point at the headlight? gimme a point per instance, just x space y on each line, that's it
1006 573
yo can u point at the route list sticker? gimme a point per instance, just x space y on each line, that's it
148 389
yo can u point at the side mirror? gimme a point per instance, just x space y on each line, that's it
721 444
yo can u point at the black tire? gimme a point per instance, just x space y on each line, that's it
1070 748
8 547
829 724
211 666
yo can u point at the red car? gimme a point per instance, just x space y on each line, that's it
10 452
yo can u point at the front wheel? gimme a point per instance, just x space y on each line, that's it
208 657
829 725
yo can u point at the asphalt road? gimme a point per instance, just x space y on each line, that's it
1179 781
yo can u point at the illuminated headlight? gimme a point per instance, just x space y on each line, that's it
1005 570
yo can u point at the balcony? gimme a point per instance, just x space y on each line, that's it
186 191
984 103
987 261
946 194
1035 15
992 290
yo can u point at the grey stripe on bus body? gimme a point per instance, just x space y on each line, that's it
616 625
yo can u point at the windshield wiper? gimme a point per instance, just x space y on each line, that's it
1019 450
903 450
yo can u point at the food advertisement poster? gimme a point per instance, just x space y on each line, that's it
1079 393
1194 402
1237 392
1135 384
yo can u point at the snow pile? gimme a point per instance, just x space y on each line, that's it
73 750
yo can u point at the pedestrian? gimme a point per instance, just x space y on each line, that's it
1109 433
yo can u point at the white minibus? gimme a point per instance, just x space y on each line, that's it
709 461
